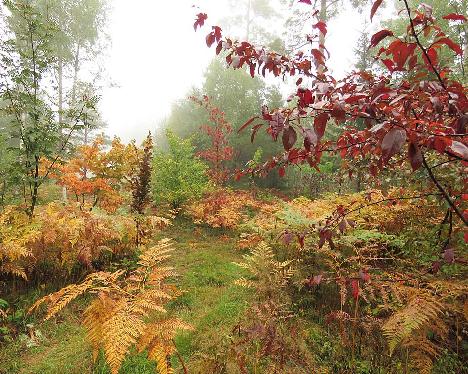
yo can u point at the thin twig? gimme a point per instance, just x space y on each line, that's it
443 192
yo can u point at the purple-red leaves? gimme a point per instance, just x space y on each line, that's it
374 8
289 138
379 36
320 123
364 275
455 17
287 237
300 239
459 149
310 139
415 156
355 288
309 2
342 225
322 26
449 255
200 20
213 36
392 143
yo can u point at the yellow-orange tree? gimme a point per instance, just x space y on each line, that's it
98 177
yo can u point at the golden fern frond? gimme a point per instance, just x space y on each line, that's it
421 312
99 311
156 254
159 274
60 299
158 339
421 362
120 332
16 270
159 354
244 283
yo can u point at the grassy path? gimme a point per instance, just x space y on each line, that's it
211 303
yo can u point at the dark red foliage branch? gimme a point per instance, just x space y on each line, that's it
141 181
218 131
411 115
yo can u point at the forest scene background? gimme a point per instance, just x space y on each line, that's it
291 212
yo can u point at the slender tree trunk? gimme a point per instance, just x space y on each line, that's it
60 110
76 68
247 30
324 18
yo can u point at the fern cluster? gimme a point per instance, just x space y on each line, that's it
127 311
267 275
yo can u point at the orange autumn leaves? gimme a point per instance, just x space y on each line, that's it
99 177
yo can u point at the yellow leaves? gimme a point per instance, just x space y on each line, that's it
61 236
16 235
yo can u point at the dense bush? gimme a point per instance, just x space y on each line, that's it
178 175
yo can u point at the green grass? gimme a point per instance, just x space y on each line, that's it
210 302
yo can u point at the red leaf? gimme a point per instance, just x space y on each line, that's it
320 123
318 55
455 17
364 275
389 64
317 279
254 131
432 54
281 171
459 149
449 255
355 288
374 8
379 36
289 138
392 143
252 70
322 26
246 124
200 20
287 237
210 38
310 139
415 156
306 2
300 239
219 48
451 44
342 226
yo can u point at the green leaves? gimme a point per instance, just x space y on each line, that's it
178 175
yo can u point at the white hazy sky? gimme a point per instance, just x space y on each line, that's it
156 56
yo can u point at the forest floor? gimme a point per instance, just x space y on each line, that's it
211 303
